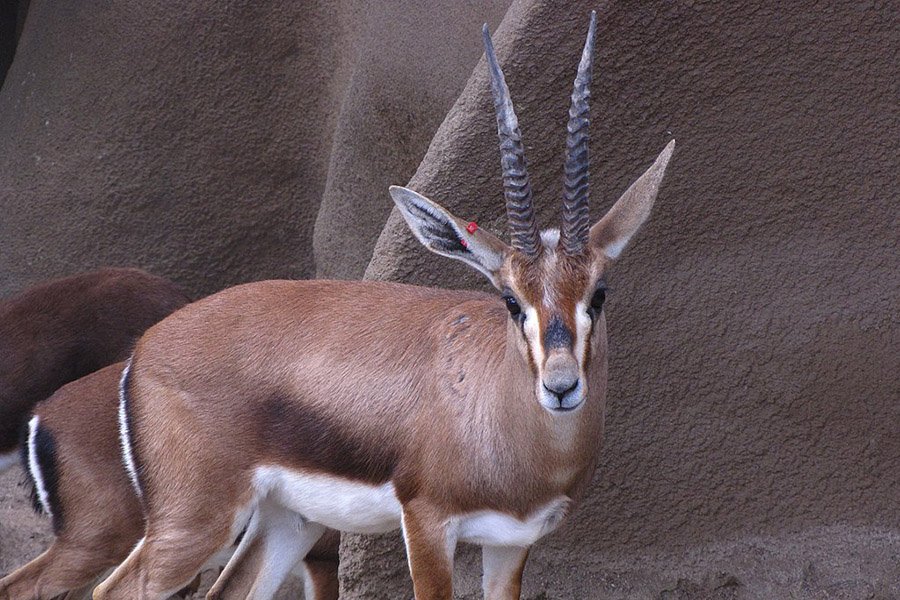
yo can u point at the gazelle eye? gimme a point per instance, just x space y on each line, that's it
512 306
598 299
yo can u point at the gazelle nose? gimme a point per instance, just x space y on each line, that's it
560 373
560 392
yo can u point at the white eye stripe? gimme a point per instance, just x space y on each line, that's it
583 323
532 329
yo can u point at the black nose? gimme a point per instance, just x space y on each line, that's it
560 393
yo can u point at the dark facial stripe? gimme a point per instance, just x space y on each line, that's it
557 335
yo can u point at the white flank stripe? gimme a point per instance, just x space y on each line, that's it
35 468
125 435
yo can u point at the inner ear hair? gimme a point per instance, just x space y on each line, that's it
447 235
438 231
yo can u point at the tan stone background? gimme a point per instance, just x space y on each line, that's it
753 438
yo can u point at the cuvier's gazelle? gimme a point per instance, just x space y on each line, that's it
366 406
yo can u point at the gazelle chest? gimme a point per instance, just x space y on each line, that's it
495 528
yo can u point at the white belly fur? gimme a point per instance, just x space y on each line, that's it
356 507
332 501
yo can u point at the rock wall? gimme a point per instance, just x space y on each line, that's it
201 142
751 444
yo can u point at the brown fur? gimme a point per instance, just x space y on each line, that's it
58 331
103 518
322 566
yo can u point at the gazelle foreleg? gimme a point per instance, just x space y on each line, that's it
430 545
503 567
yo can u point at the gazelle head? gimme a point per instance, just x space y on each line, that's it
551 281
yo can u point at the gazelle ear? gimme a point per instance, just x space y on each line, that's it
444 234
611 233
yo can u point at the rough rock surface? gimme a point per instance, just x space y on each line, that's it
194 142
412 61
751 447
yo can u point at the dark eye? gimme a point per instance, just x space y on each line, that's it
598 299
512 306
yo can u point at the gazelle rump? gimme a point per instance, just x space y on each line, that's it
366 406
74 461
55 332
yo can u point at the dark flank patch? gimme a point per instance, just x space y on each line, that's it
45 451
557 335
299 436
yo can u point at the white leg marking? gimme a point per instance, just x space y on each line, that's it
35 468
125 434
309 587
287 538
406 541
251 533
8 460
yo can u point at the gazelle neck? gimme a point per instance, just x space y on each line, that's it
565 443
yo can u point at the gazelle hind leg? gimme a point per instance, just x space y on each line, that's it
165 560
274 543
503 567
82 593
23 583
63 568
235 571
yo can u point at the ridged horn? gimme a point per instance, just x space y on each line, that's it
516 187
576 214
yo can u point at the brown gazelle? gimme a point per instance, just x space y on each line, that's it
366 406
57 331
74 463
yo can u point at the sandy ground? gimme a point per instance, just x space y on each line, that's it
23 534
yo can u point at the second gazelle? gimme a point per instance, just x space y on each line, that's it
290 407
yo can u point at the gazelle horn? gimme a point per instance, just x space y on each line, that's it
516 187
576 217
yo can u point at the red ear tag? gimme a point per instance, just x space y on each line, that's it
472 227
464 243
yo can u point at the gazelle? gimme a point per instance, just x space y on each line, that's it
74 462
58 331
367 406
